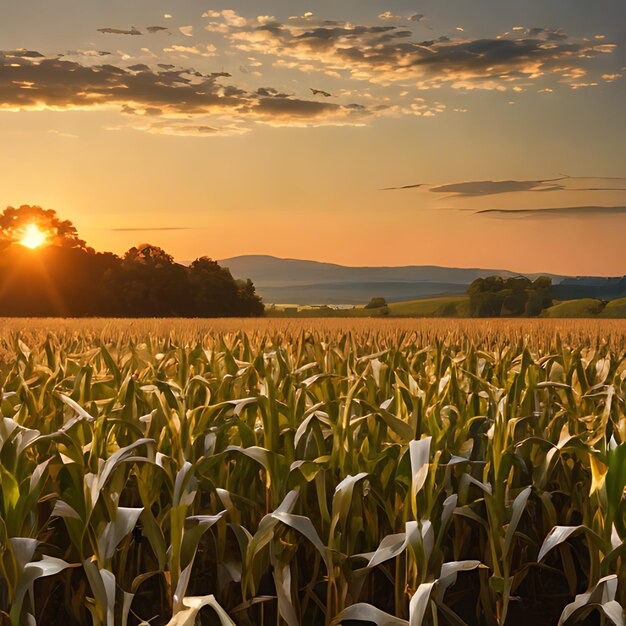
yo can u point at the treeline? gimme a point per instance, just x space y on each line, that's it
65 277
495 296
145 282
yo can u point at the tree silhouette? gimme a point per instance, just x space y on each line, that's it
67 278
59 232
494 297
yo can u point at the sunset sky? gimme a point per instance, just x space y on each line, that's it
302 129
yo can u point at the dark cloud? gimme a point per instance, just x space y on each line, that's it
21 53
30 82
139 67
120 31
494 187
269 92
64 84
547 33
86 53
278 106
158 29
389 54
403 187
320 92
573 211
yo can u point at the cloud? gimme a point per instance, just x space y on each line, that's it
158 29
120 31
388 15
229 17
30 82
287 111
51 83
494 187
64 134
189 129
558 212
320 92
21 53
85 53
149 228
389 54
186 30
403 187
207 50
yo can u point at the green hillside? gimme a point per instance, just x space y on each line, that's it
453 306
583 307
615 309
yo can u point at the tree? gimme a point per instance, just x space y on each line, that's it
148 283
148 254
486 304
485 299
217 293
516 296
539 297
514 301
13 223
376 303
67 278
252 305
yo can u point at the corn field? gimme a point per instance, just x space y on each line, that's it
312 473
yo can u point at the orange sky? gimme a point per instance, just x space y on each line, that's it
203 135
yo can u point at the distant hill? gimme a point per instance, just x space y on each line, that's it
590 287
583 307
588 307
296 281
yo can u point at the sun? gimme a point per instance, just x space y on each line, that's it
33 237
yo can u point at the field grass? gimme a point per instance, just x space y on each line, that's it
312 472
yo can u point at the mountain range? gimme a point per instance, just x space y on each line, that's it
298 281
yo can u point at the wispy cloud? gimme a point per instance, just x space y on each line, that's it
469 189
563 183
149 228
493 187
158 29
120 31
415 186
187 128
557 212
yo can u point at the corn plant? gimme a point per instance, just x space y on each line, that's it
314 474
